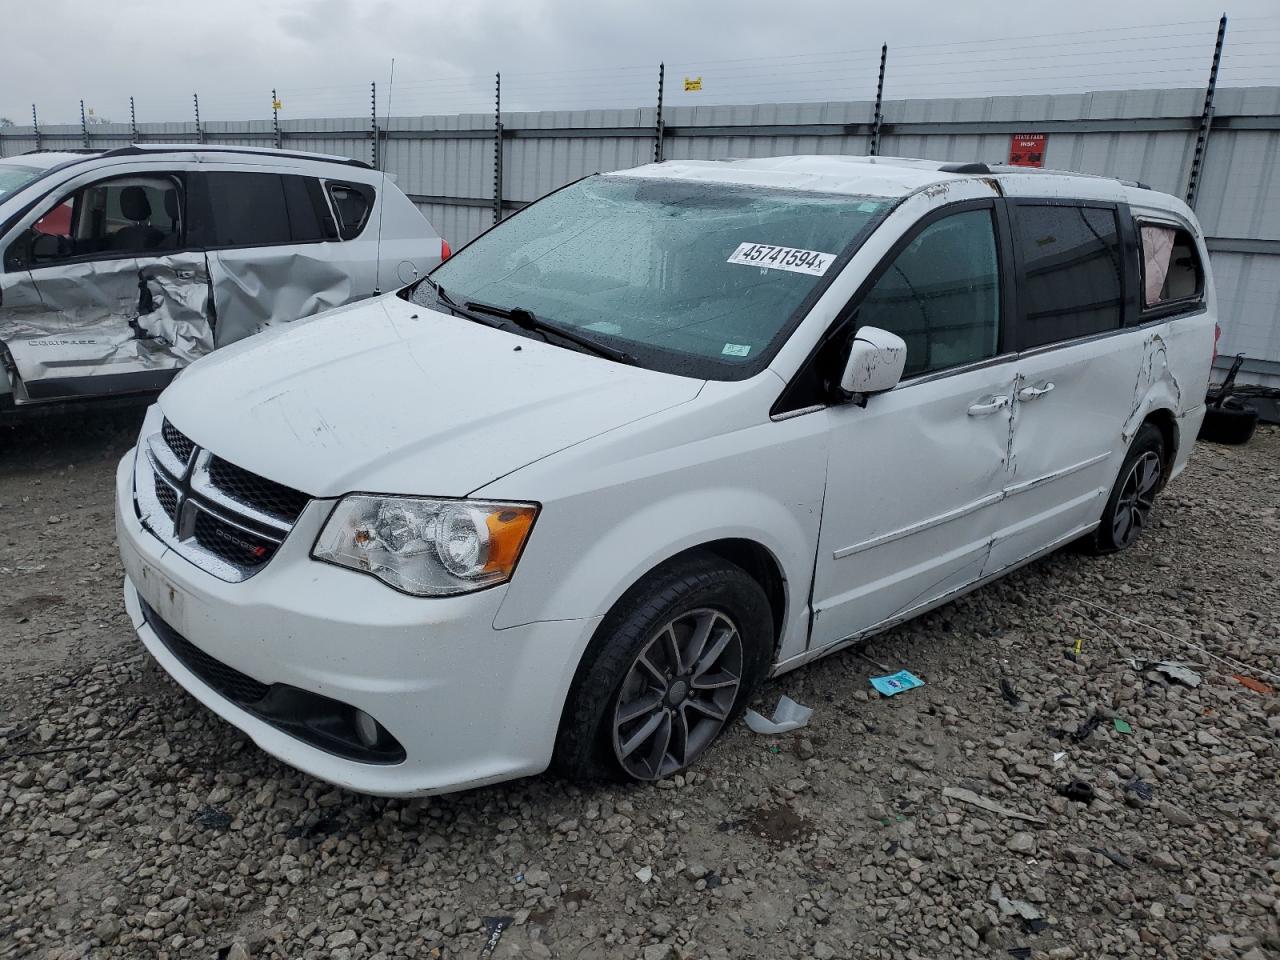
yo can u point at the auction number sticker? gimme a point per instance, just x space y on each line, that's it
812 262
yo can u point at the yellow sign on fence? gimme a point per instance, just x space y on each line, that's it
276 105
692 84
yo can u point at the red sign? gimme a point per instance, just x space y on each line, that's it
1026 150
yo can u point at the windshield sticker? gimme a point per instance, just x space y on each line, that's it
736 349
768 256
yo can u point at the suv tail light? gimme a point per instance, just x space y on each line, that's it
1217 335
446 253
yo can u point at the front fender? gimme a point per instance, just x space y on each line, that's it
572 572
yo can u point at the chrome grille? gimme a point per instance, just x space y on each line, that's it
221 517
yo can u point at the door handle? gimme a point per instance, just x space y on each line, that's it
988 405
1030 393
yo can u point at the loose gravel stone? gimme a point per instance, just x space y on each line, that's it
155 830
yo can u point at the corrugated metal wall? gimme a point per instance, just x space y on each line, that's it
446 163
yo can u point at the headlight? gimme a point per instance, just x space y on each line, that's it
426 547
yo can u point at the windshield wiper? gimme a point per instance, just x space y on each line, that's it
528 320
463 312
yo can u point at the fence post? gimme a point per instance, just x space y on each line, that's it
497 147
84 127
195 99
373 112
133 121
275 117
658 127
1206 118
878 119
35 123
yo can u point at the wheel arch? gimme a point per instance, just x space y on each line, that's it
1163 419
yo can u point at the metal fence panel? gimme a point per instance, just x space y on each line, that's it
446 163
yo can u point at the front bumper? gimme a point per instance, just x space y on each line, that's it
470 704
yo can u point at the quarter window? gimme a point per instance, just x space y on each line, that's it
352 203
1171 269
941 294
1071 263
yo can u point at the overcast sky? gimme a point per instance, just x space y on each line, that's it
322 54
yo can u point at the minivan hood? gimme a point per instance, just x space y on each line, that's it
385 396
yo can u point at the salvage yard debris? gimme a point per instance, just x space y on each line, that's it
895 683
787 715
969 797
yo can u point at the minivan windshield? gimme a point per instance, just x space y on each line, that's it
13 176
696 278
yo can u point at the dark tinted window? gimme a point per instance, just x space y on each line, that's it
1071 271
352 203
1171 269
249 209
304 221
941 294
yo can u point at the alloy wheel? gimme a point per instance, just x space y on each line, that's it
677 694
1137 497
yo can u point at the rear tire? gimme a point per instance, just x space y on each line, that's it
668 670
1128 509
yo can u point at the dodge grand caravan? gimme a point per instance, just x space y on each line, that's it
572 497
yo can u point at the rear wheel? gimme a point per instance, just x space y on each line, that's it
670 667
1128 509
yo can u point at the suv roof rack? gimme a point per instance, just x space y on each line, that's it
964 168
136 150
1006 168
84 150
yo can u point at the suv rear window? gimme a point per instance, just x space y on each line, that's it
1171 269
1071 267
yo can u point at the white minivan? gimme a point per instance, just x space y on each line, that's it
660 435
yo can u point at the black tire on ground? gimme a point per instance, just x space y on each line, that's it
1231 423
1128 508
689 591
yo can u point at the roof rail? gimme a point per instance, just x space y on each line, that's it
964 168
1008 168
27 153
136 150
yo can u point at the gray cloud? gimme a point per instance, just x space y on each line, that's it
322 54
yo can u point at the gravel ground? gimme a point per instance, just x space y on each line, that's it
137 824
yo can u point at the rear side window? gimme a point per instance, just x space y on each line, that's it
249 209
941 294
1071 271
1171 268
265 209
353 203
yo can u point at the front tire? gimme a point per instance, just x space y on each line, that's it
669 669
1128 509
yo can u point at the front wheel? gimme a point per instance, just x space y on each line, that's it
670 667
1128 509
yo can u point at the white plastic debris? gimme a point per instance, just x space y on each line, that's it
644 874
1058 757
788 715
1177 672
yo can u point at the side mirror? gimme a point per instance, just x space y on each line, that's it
876 360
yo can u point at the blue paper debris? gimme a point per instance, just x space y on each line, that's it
896 683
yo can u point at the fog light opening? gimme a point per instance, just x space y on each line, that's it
367 728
